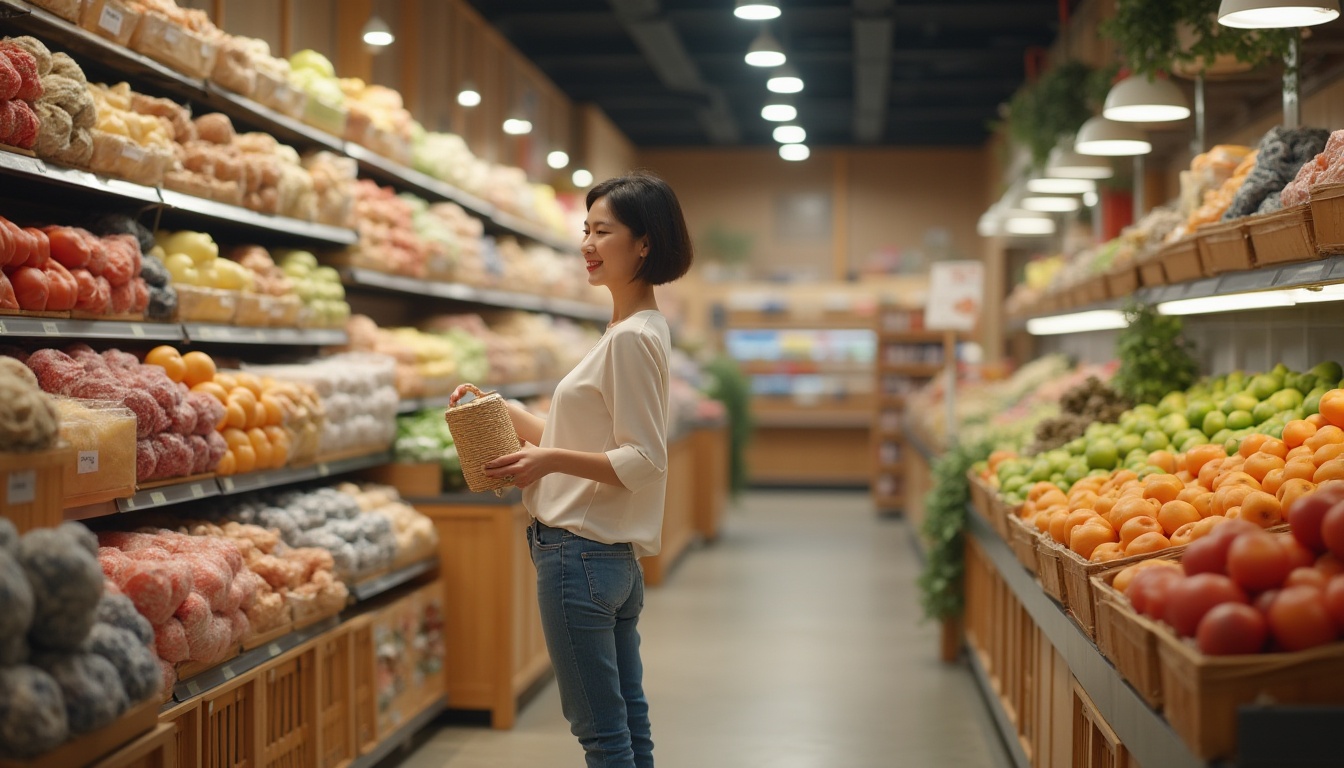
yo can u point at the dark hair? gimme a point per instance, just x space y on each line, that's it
648 206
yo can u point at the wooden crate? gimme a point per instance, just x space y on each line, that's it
1095 745
1080 597
335 657
1327 217
32 487
95 745
1126 639
1151 272
1122 282
230 724
1050 568
187 735
1022 537
1096 290
365 700
1285 236
153 750
288 688
1181 261
1225 247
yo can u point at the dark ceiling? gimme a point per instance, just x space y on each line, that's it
896 72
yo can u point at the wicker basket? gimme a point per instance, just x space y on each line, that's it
483 432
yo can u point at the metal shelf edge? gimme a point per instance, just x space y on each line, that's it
402 735
374 587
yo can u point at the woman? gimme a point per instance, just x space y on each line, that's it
594 472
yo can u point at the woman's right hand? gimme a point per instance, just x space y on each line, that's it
461 390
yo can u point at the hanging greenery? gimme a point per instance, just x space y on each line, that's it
1154 357
1055 105
945 507
1149 35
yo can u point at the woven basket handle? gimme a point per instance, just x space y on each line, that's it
474 390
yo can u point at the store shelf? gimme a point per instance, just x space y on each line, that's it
813 419
910 337
356 277
401 738
32 169
18 326
541 234
521 391
785 321
804 367
914 441
390 172
233 334
910 369
232 216
1007 731
249 660
168 495
367 590
510 497
287 129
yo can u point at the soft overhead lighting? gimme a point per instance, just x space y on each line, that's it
1090 199
1107 138
1276 14
778 112
794 152
786 80
1051 204
558 159
1323 293
1064 163
1061 186
988 225
1025 223
756 10
377 33
765 51
469 96
1078 322
790 134
517 126
1140 100
581 178
1232 303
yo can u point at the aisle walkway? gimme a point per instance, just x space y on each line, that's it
790 643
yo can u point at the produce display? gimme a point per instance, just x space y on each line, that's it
453 239
272 301
65 268
423 438
1207 173
318 287
416 537
103 434
1089 402
30 419
428 364
134 135
1325 168
20 88
358 395
1281 154
1218 200
74 655
378 119
387 236
333 183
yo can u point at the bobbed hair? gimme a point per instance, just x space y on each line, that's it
645 204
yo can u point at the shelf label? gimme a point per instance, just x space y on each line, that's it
197 492
111 20
956 295
88 462
51 329
2 327
227 484
323 470
133 152
171 35
137 330
21 487
158 498
227 673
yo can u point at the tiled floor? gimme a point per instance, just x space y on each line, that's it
793 642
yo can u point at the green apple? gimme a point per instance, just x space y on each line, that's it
1197 409
1173 422
1240 419
1128 442
1214 423
1329 370
1102 454
1154 440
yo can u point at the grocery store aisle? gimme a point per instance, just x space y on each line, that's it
793 642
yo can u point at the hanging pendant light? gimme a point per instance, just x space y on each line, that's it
790 134
785 80
582 178
1276 14
765 51
1051 204
756 10
1064 163
1138 99
517 124
468 96
1107 138
779 108
1029 223
794 152
1061 186
557 159
377 33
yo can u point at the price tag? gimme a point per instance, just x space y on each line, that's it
133 152
197 492
228 673
323 470
158 498
88 462
51 329
137 330
2 327
171 35
111 20
228 484
21 487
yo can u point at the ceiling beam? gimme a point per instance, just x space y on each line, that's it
874 31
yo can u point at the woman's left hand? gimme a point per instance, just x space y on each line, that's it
524 467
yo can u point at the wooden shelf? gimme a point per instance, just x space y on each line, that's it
910 337
910 369
805 368
822 419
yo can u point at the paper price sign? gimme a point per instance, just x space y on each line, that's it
956 295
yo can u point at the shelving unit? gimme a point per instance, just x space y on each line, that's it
357 278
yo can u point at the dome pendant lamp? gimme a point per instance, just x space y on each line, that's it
1137 99
779 109
785 80
377 33
1107 138
757 10
765 51
1064 163
468 96
1276 14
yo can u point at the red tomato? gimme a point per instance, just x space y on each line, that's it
1232 628
1298 554
1306 577
1334 602
1305 516
1190 598
1330 565
31 287
7 298
40 253
1257 562
1298 619
64 290
1332 527
1149 589
1264 600
1208 554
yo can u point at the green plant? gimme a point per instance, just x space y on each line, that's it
730 386
1154 357
1056 104
1149 36
944 530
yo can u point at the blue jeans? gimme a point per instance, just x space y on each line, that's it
591 595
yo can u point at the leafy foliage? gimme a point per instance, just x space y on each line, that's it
1154 357
730 386
1055 105
1148 34
944 529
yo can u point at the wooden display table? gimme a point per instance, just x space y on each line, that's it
709 447
679 527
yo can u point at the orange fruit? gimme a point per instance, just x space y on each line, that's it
1104 553
1209 471
1203 503
261 445
200 368
1330 470
1302 466
225 380
1075 519
1183 535
1233 513
1175 514
245 458
998 457
235 437
1054 524
1324 436
1050 498
1316 420
1203 527
1274 447
1252 444
1197 457
1327 452
250 381
169 359
1191 492
275 415
1229 496
1163 460
1131 507
1297 431
234 415
1262 463
1163 488
244 397
1292 490
1272 481
1147 544
1088 536
227 464
258 417
1236 478
1136 527
1104 504
1126 575
1332 407
1037 490
1262 509
1299 452
212 389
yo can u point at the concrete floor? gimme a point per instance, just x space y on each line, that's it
792 642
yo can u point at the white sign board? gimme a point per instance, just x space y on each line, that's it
956 295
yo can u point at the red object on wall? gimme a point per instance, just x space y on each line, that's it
1117 212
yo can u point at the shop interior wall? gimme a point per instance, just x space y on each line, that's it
439 44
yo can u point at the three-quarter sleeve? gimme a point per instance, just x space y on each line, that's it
636 384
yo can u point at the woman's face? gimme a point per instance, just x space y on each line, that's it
612 254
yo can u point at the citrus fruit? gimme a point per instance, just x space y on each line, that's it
169 359
200 368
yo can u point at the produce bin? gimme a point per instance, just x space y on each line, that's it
1122 282
335 699
1181 261
1095 743
1126 639
174 45
111 19
1078 573
102 435
206 305
289 698
1050 568
1327 217
1284 237
1151 271
278 94
88 748
1225 247
1022 537
66 9
187 734
32 487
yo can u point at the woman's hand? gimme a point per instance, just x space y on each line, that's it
461 390
523 467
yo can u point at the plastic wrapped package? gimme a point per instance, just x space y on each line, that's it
1325 168
111 19
176 46
206 305
103 434
66 9
276 92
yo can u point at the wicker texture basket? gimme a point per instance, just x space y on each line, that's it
483 432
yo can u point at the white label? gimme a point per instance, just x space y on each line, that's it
228 484
2 326
197 492
323 470
22 487
956 295
133 153
51 329
171 36
88 462
111 20
207 50
138 330
157 497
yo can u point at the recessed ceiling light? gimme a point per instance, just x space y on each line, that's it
517 126
1061 186
1051 204
756 10
786 80
557 159
469 96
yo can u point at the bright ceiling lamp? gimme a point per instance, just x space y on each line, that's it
786 80
756 10
557 159
1231 303
1090 199
779 110
1064 163
377 33
1050 204
517 125
581 177
988 225
794 152
1107 138
1028 223
1276 14
765 51
1077 322
469 96
790 134
1049 186
1141 100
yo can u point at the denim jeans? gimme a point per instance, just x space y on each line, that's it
591 595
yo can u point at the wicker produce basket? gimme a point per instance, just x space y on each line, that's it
483 432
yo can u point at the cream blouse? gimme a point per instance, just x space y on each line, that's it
615 402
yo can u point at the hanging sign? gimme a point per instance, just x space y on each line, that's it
956 295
